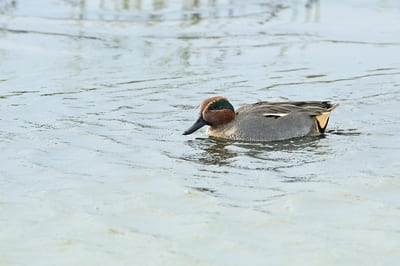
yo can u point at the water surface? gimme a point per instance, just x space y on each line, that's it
94 97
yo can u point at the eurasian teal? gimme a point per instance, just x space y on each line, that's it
262 121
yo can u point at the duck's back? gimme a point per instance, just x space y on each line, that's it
269 121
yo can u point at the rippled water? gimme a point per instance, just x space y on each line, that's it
94 97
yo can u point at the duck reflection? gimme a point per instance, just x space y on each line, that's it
210 151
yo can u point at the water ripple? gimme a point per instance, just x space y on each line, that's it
331 81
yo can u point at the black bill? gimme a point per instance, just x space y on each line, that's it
198 124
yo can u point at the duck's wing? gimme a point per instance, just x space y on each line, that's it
275 110
280 109
314 107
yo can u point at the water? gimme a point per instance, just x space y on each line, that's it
94 97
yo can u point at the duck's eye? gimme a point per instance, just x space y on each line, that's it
221 105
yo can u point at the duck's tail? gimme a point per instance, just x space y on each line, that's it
321 120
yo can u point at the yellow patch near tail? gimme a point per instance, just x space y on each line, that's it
322 121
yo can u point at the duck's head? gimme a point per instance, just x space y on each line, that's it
214 112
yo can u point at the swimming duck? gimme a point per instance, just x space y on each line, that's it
262 121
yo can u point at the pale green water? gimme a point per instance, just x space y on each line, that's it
94 97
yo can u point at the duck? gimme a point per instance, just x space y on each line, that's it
262 121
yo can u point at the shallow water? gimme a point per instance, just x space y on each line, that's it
94 97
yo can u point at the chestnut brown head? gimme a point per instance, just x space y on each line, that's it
214 112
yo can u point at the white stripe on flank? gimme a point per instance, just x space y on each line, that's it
276 114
